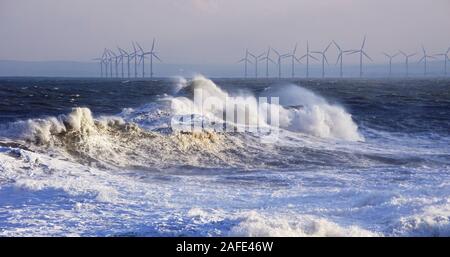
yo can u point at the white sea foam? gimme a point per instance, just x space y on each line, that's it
254 224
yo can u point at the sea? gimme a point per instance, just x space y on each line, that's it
101 157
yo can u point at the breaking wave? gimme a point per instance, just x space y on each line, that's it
300 110
128 139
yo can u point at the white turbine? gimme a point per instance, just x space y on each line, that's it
280 57
425 60
361 53
340 57
246 61
407 56
307 56
267 59
324 58
390 57
446 58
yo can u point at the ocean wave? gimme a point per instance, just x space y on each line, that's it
143 137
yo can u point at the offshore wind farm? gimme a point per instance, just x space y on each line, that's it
219 118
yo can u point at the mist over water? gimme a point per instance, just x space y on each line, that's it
96 157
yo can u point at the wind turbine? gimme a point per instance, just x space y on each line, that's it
142 58
267 59
152 54
390 57
134 55
109 59
407 56
115 57
101 60
256 58
424 59
307 55
340 57
280 57
324 58
125 54
120 56
361 53
293 60
245 60
445 59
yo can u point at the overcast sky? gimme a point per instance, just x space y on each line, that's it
216 31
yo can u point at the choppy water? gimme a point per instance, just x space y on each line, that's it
94 157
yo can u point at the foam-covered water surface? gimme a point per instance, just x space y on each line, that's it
352 158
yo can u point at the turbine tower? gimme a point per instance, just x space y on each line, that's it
307 56
361 53
446 58
246 61
424 59
267 59
390 57
324 58
407 56
280 57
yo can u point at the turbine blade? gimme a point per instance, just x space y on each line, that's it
302 57
156 57
326 49
338 58
153 45
364 42
275 51
140 48
365 54
337 46
313 57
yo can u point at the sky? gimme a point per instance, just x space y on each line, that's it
217 31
